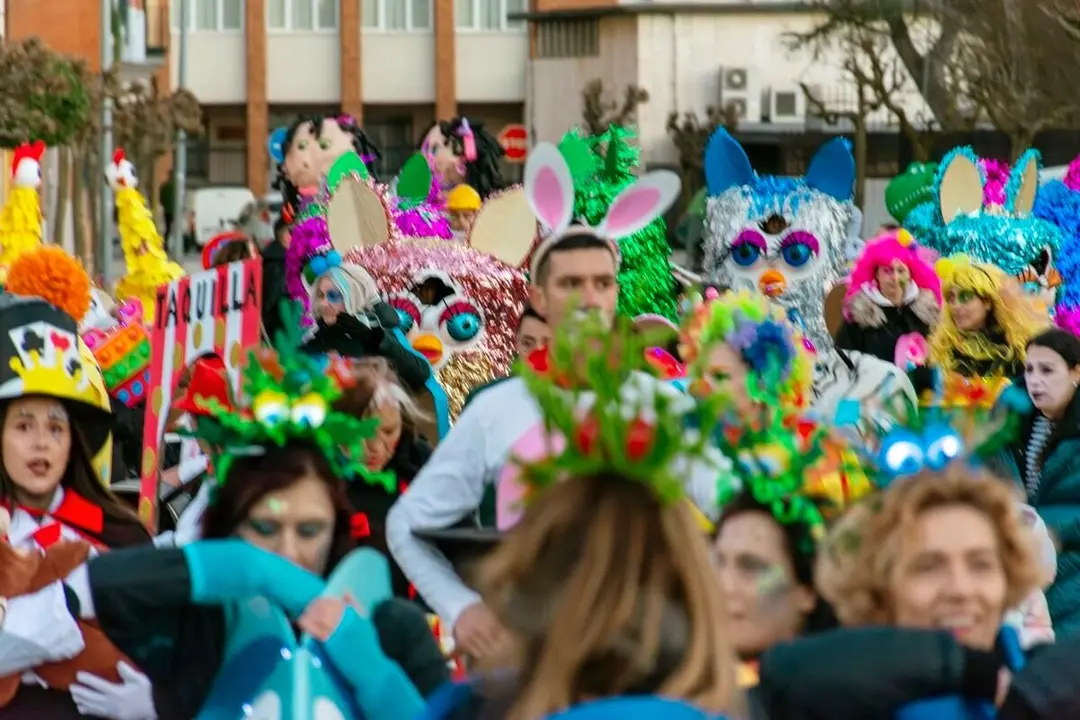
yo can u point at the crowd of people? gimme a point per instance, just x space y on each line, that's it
452 482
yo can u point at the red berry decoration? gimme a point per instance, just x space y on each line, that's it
639 439
586 435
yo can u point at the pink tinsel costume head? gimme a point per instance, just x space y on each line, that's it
997 177
882 251
1072 176
309 237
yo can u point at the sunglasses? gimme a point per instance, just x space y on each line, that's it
962 297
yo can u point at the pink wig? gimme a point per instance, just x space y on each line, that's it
882 250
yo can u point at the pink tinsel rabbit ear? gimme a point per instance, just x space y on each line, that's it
549 187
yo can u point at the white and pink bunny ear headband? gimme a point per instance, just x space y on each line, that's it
549 188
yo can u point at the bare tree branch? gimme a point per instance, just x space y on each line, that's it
598 114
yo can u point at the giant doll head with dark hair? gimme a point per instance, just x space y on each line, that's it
462 152
311 145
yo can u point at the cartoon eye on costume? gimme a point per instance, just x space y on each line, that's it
798 248
309 411
943 446
408 311
270 407
747 248
902 453
1032 287
462 320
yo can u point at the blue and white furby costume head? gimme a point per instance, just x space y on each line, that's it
959 220
1058 203
782 236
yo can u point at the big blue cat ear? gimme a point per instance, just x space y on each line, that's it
832 170
726 164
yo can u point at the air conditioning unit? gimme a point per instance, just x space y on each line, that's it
786 105
739 90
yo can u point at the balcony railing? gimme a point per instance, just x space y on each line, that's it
141 31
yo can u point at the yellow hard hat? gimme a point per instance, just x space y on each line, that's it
463 199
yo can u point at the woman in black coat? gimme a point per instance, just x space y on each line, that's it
353 322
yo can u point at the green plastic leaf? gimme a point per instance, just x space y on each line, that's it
348 164
579 157
414 181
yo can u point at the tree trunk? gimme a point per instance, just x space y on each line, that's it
83 247
861 150
63 193
1020 139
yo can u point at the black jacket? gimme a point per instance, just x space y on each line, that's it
273 288
870 673
375 502
874 329
371 334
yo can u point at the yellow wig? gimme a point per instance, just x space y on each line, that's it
1010 310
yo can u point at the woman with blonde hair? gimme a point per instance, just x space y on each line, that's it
922 576
605 586
353 321
987 321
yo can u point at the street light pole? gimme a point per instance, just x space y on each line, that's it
180 152
105 242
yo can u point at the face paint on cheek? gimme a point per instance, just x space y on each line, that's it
277 507
772 586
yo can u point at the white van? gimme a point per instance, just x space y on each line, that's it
213 210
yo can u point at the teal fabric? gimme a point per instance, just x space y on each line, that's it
1057 501
224 570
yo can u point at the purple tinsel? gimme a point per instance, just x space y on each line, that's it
425 220
1072 177
997 175
1068 318
310 237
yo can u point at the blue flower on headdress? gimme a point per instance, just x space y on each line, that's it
766 347
319 265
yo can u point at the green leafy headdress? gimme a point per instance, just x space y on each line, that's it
287 395
593 390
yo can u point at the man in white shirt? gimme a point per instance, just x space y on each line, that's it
574 273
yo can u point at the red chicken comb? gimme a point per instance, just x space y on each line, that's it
118 156
27 151
208 380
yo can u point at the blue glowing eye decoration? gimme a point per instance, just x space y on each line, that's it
797 254
1032 287
901 453
943 445
745 254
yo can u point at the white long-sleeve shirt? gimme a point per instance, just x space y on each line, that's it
472 456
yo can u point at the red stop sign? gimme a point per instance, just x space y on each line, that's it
515 141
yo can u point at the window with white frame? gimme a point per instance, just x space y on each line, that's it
302 15
209 15
488 15
397 15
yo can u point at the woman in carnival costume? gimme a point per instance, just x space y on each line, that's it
56 420
893 293
606 583
1039 459
212 622
940 555
350 316
461 151
986 324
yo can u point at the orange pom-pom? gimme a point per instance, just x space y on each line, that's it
53 275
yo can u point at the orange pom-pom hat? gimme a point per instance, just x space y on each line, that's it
53 275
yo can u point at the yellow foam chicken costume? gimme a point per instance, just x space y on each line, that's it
148 267
20 218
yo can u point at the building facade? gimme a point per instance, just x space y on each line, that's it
689 56
394 64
